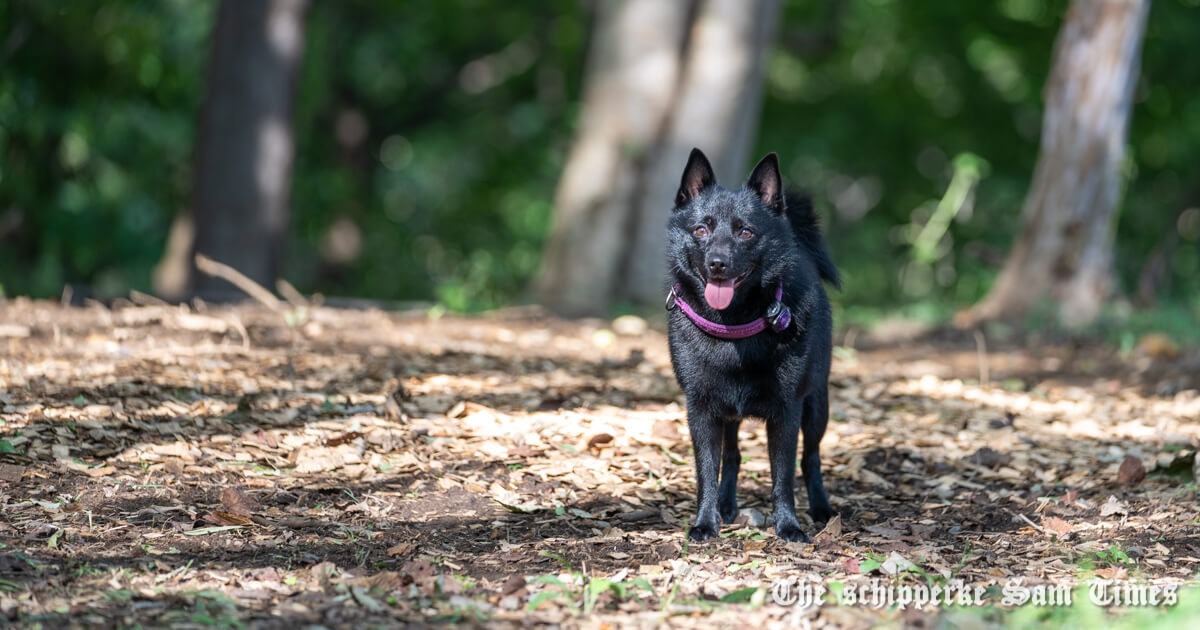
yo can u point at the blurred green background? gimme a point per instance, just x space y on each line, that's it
442 180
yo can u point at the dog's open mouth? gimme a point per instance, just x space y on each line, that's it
719 293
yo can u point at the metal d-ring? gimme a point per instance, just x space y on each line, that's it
670 303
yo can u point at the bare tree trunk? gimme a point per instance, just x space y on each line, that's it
663 77
719 104
244 150
633 69
1064 250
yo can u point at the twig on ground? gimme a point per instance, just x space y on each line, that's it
1031 523
289 293
145 299
237 279
981 351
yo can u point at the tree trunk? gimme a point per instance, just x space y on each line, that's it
663 77
633 69
1064 250
242 176
717 111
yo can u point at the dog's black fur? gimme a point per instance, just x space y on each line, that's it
782 378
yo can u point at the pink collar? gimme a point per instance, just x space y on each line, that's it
777 318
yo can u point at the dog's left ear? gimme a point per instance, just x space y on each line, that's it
766 182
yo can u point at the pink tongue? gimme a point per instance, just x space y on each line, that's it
719 293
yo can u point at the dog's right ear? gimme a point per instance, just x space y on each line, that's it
697 175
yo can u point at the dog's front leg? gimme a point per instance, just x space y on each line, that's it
782 435
706 430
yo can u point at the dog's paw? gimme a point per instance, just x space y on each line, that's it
728 512
791 533
700 532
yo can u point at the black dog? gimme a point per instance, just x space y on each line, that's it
750 335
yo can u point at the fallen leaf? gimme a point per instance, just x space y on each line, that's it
832 529
596 441
666 430
522 451
322 459
418 569
881 530
1132 471
450 585
923 532
11 472
102 471
1112 573
402 549
263 574
513 584
236 502
217 517
896 563
344 438
261 438
1113 506
751 517
1057 525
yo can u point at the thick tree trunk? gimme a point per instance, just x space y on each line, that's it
243 161
633 69
663 77
1064 249
718 108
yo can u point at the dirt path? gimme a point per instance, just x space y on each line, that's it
242 468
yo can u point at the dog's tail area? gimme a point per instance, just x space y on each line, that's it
808 233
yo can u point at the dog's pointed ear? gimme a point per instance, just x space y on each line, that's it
697 175
766 182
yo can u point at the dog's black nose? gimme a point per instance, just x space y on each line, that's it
717 264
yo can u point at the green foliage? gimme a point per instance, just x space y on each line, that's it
431 135
871 119
97 103
468 108
586 590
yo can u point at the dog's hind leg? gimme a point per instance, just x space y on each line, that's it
782 433
816 416
731 462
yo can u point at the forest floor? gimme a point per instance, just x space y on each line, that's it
246 468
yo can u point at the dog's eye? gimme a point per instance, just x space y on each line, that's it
700 231
745 233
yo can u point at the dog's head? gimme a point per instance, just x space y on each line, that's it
721 240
